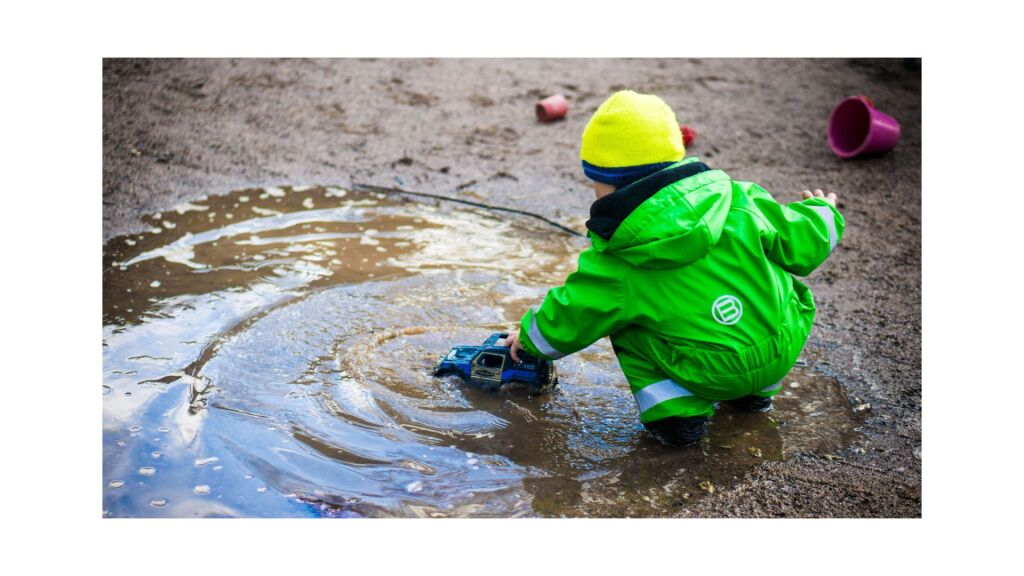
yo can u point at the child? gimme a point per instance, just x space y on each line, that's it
688 271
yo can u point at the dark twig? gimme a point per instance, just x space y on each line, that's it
386 190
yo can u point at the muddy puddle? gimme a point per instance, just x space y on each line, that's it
268 353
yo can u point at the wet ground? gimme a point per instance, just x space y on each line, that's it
269 353
196 131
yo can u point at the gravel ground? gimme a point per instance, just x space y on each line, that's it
174 130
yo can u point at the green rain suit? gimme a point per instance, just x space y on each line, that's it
691 274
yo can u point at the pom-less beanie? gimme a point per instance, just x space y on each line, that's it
630 136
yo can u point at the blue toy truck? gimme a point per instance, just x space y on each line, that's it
491 366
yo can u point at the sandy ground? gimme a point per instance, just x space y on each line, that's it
175 130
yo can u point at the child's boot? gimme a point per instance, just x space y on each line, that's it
678 431
752 403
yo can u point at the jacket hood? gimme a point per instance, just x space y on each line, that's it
666 220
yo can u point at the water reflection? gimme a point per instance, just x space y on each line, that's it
268 353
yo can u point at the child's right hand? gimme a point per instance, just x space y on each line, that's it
831 198
513 343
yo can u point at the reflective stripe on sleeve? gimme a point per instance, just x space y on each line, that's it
773 387
829 217
539 341
653 394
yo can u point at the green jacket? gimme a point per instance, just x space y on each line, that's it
693 272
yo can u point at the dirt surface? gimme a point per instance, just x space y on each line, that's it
175 130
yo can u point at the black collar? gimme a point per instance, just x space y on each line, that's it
607 213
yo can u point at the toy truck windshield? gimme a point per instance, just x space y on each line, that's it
460 353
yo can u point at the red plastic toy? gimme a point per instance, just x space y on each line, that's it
552 108
688 134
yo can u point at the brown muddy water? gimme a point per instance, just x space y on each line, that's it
269 353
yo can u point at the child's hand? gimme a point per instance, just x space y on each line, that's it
513 343
831 198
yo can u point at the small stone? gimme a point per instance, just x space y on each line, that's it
756 452
707 486
861 407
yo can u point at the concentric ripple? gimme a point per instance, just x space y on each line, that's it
269 353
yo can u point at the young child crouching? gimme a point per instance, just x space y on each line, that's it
689 272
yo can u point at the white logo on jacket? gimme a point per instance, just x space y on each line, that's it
727 310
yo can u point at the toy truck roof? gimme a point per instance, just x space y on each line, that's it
492 340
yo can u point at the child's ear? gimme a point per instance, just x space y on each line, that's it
601 189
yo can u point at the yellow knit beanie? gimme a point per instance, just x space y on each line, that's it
630 136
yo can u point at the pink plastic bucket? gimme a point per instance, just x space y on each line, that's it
856 127
552 108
